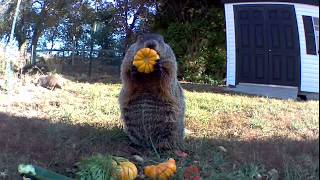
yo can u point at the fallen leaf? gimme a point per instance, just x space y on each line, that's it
196 178
187 131
191 173
273 174
223 149
138 158
181 154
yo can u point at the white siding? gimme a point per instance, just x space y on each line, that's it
309 63
231 45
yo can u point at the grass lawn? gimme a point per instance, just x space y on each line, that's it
231 136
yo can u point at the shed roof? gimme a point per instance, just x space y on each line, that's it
309 2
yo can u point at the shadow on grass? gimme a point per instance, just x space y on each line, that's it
293 159
105 78
108 74
58 146
206 88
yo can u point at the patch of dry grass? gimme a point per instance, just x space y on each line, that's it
82 118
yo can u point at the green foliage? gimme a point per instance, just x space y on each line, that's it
75 24
198 40
294 170
245 172
97 167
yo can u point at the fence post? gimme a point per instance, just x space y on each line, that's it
90 60
32 55
73 47
83 55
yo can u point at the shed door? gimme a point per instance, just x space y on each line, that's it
267 44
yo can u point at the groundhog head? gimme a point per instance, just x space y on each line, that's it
165 67
152 41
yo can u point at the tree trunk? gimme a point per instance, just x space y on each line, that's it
73 50
34 43
52 42
129 28
90 60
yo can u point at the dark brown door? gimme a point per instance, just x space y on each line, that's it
267 44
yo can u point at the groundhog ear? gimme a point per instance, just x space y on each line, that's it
169 51
140 37
161 38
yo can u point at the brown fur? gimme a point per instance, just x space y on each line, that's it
50 82
152 105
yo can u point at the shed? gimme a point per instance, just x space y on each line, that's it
273 42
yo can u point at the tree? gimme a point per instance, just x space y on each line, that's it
35 18
7 8
106 25
195 31
129 14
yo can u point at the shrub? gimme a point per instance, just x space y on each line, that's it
199 46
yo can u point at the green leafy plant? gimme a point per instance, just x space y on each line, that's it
97 167
107 167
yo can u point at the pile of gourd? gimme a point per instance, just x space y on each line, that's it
123 169
105 167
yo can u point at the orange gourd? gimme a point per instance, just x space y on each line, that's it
124 169
162 171
145 59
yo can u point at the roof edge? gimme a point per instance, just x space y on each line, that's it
309 2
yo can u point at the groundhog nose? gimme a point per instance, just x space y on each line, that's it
151 44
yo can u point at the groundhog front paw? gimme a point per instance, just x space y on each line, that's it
134 72
158 69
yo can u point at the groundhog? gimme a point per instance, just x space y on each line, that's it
50 82
152 105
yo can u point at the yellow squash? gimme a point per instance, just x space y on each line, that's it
162 171
125 170
145 59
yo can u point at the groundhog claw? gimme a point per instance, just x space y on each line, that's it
158 69
134 72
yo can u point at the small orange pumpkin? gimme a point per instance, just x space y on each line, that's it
124 169
162 171
145 59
